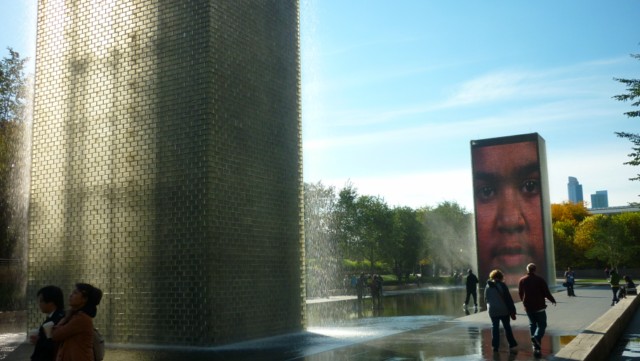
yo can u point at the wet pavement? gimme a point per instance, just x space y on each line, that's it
422 324
628 347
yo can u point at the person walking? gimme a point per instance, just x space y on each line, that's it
361 284
570 278
614 281
501 309
472 286
533 290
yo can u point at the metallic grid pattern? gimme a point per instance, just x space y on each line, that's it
167 166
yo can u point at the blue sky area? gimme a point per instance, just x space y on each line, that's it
393 91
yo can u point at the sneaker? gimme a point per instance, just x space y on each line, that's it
537 353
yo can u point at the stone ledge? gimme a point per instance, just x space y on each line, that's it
601 336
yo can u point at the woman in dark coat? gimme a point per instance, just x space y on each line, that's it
501 309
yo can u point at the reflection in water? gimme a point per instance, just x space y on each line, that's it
444 301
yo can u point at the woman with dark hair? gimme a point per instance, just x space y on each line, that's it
75 331
50 302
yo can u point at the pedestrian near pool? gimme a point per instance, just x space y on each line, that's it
533 290
472 286
75 331
360 286
570 279
50 302
501 309
614 281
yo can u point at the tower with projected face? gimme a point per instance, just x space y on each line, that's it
167 166
512 209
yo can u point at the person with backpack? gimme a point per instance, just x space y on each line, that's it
501 309
570 279
75 333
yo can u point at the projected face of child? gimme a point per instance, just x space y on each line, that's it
507 198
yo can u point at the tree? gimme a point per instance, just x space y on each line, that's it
13 175
374 227
404 246
449 236
345 222
632 95
608 239
568 211
13 100
321 251
13 92
566 217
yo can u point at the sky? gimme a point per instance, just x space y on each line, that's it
394 91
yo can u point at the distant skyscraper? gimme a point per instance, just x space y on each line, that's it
575 190
600 200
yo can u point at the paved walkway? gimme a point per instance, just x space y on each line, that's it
413 338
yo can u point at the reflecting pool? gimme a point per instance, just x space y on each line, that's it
419 324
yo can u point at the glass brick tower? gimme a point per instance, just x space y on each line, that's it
166 159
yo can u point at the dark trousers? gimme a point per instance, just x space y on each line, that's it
495 331
537 324
615 294
473 293
570 289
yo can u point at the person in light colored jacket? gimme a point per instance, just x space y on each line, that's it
501 309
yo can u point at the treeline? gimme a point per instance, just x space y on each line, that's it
348 233
583 240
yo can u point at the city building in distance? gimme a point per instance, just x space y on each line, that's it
600 199
575 190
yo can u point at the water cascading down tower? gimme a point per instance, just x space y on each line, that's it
166 166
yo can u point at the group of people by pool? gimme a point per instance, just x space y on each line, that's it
66 334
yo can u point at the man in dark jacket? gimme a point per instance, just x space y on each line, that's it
533 290
472 286
51 302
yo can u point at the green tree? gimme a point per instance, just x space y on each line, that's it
404 246
13 100
632 95
345 222
13 198
321 249
607 238
13 91
374 226
449 236
363 225
566 217
631 222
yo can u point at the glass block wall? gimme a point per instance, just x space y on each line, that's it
166 159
